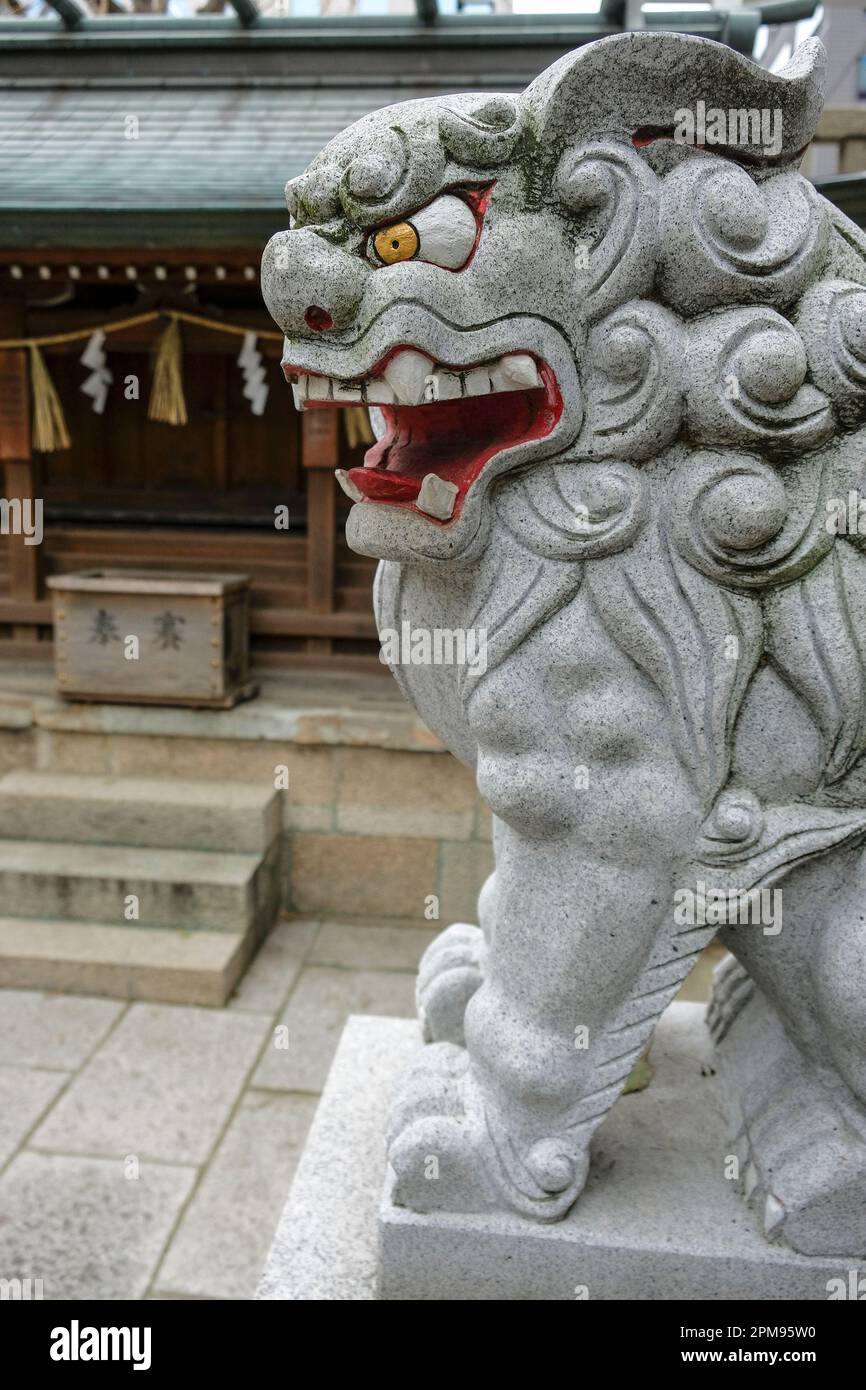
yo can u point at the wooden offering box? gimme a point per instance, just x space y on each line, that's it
151 637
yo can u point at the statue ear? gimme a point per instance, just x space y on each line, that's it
635 87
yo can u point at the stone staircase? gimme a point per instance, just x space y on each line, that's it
135 887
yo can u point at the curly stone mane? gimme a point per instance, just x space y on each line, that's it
724 378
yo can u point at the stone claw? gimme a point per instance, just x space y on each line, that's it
430 1086
449 974
437 1167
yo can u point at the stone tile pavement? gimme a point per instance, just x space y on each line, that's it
146 1150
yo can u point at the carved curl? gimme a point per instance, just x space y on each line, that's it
615 197
482 132
747 384
401 166
726 239
635 389
831 319
733 518
576 511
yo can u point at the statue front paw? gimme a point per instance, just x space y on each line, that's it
450 1152
448 976
433 1144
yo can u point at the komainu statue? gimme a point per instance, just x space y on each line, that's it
614 344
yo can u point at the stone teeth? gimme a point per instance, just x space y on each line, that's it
319 388
445 386
350 488
437 497
407 374
378 392
324 388
516 371
410 378
477 382
344 391
378 423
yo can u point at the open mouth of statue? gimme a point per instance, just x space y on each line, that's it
442 423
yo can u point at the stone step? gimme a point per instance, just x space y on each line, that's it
139 811
195 890
167 967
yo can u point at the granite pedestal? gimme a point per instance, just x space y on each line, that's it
658 1220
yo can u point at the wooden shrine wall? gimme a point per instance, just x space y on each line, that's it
130 492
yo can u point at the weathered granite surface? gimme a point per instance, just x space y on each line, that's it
658 1219
616 346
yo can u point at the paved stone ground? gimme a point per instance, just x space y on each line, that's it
146 1150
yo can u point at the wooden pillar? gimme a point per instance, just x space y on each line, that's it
319 449
20 472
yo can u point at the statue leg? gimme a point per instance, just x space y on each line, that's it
839 974
791 1049
581 962
583 954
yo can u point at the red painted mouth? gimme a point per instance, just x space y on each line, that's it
452 439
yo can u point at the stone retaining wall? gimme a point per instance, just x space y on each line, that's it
378 818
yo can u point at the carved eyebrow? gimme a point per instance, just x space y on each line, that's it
476 196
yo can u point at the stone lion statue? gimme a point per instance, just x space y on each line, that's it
615 347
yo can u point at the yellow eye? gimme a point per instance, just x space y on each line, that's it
397 243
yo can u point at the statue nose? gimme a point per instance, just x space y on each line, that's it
318 319
310 284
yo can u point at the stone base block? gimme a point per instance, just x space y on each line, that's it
659 1219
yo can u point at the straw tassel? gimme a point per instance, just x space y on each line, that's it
49 426
166 397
